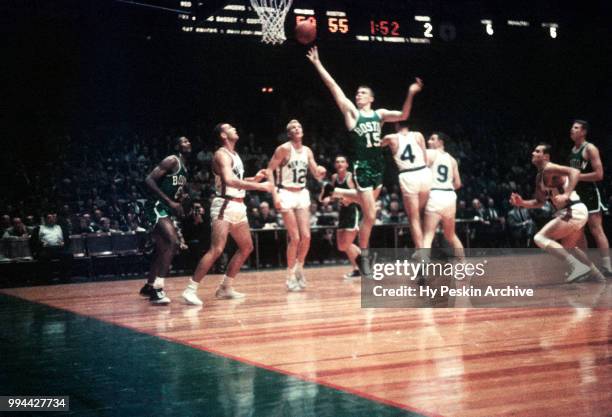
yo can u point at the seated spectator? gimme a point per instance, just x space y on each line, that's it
495 233
49 233
521 227
105 226
328 216
314 214
267 218
394 215
18 229
133 223
5 223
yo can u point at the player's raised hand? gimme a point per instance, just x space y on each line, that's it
516 200
313 55
416 86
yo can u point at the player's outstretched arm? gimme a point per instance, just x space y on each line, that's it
390 141
318 171
397 116
169 164
277 159
537 202
348 109
261 174
223 165
421 142
456 177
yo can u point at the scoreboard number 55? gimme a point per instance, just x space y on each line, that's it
338 24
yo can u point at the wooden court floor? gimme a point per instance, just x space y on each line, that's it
418 361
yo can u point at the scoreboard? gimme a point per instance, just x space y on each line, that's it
343 21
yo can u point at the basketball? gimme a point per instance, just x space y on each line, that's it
305 32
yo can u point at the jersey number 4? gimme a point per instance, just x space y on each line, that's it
407 155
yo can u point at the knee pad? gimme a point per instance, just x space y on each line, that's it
541 240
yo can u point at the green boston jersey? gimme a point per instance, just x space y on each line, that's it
172 184
584 189
576 160
365 139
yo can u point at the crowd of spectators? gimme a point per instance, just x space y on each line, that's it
90 188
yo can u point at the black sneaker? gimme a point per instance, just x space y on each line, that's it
147 290
159 297
353 274
326 191
364 266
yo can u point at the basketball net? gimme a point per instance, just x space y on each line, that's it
272 14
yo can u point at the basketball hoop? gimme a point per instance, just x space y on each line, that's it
272 14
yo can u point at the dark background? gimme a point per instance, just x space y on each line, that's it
72 66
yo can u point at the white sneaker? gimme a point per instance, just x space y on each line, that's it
292 284
190 297
228 294
596 275
301 279
577 271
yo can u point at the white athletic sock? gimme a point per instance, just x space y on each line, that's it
572 261
158 283
291 271
227 281
299 266
605 262
193 285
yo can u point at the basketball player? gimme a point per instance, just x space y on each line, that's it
364 125
556 183
442 202
349 216
585 158
294 160
166 182
228 215
409 153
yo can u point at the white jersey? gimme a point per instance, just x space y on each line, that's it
442 170
293 173
221 189
551 192
409 155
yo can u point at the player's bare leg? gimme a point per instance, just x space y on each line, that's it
344 243
413 211
556 230
293 242
302 217
166 246
570 242
596 228
430 224
367 201
450 234
241 233
220 230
